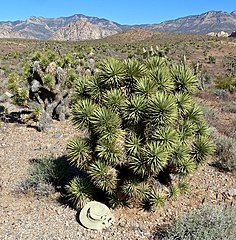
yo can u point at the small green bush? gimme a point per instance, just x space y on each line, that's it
43 176
208 111
211 59
231 107
227 83
208 222
221 93
225 152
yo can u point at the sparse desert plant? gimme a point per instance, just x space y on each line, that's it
230 107
140 121
225 152
225 83
211 59
221 93
43 176
208 222
208 111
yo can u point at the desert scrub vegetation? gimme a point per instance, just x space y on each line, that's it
225 152
226 83
141 126
208 222
44 176
46 86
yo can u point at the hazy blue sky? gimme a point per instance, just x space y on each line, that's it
121 11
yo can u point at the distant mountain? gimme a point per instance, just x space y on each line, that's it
57 28
82 30
81 27
212 21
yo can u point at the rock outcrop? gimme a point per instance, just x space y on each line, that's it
218 34
82 30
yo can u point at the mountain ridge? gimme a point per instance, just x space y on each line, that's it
73 28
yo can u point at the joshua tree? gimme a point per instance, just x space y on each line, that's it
141 127
46 86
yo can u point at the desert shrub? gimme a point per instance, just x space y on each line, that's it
211 59
225 152
208 222
227 83
141 124
230 107
221 93
44 176
208 111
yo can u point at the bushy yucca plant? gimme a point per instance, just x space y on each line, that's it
141 124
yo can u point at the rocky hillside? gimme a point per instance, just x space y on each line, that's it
213 21
80 27
82 30
56 28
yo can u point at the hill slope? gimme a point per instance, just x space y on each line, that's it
213 21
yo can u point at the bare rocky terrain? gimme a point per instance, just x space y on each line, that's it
33 217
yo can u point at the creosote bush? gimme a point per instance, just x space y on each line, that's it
141 125
208 222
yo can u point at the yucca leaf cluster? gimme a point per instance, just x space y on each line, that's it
140 122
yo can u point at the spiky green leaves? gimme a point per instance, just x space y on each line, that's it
82 113
152 160
162 79
166 136
134 109
103 176
105 120
133 144
202 148
134 70
49 80
162 109
155 157
184 102
114 99
184 79
110 151
79 191
79 152
145 87
82 87
142 121
131 187
157 198
153 63
181 161
112 72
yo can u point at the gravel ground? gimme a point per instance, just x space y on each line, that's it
31 217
